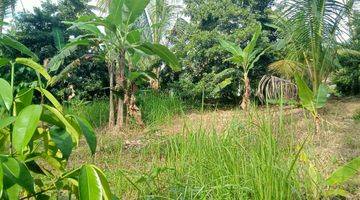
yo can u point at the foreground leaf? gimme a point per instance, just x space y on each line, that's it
6 95
17 173
37 67
25 126
62 140
88 132
8 41
89 184
345 172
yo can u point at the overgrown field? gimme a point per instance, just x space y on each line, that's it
269 153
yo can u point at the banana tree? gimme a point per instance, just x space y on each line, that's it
121 35
37 138
245 60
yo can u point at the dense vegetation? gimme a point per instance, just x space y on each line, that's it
143 81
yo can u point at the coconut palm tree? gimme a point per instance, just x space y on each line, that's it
311 30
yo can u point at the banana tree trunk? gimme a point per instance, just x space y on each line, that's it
246 97
120 85
111 96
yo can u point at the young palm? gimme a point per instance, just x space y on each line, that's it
245 60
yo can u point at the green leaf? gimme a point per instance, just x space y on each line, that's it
11 190
6 95
115 12
91 28
134 9
38 68
230 47
6 122
4 62
9 42
345 172
337 192
88 132
163 52
17 173
89 184
58 38
251 46
321 97
25 126
104 183
23 99
51 98
1 180
68 127
305 94
62 140
134 37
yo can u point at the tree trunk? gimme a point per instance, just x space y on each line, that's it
2 14
111 96
120 86
246 97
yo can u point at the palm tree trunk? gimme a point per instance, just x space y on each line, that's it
111 96
120 85
246 97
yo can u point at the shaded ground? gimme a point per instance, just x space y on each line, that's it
338 142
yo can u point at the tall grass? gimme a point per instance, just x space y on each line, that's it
250 160
97 112
158 108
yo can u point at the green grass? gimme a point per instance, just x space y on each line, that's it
250 160
97 112
158 108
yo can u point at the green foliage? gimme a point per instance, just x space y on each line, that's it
96 111
347 77
309 99
345 172
37 141
197 44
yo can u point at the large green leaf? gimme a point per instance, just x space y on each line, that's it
17 173
115 12
23 99
104 183
6 95
163 52
231 47
51 98
25 126
321 97
134 37
88 132
66 124
6 122
305 93
38 68
251 46
9 42
58 38
89 184
62 140
134 8
345 172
